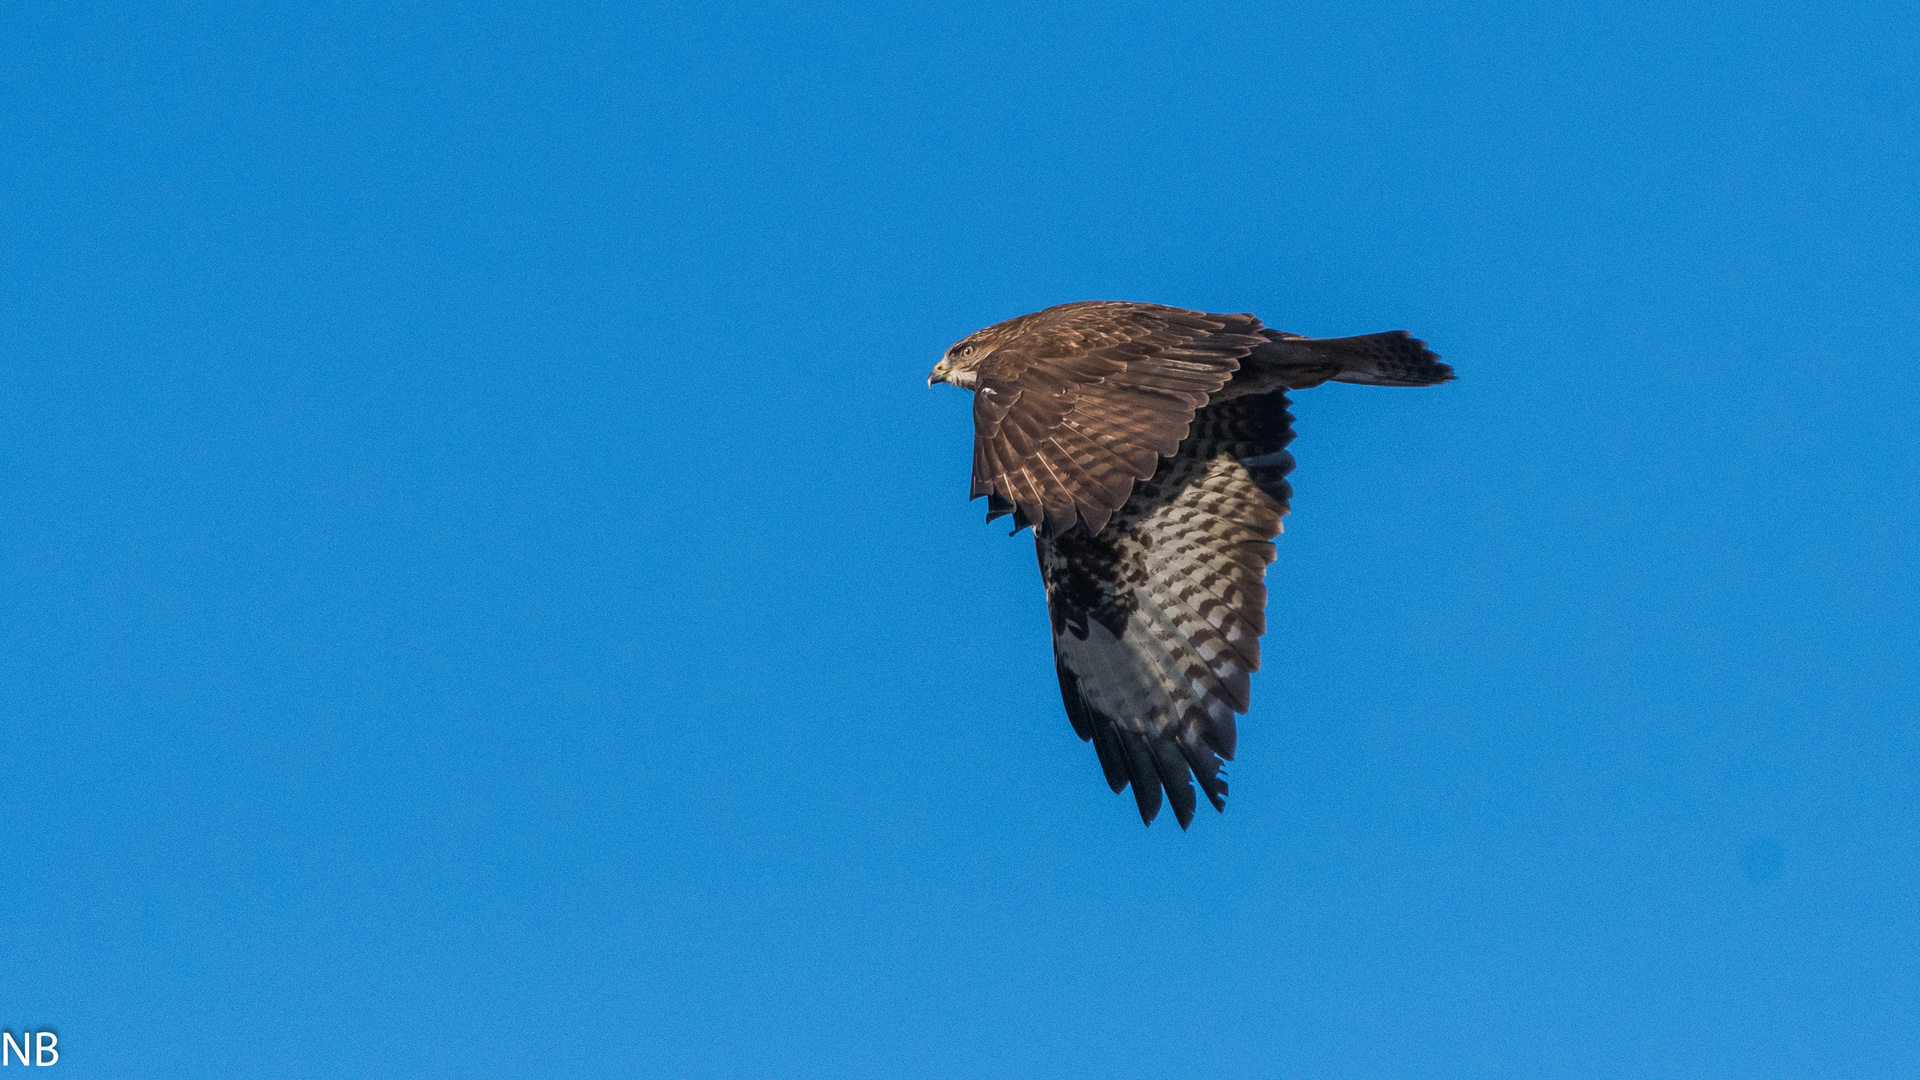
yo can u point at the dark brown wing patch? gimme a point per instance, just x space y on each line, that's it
1087 398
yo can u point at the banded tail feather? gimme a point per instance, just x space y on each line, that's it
1393 358
1292 362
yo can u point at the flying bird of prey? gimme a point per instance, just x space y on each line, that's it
1147 447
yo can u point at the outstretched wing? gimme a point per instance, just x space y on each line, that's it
1088 398
1157 621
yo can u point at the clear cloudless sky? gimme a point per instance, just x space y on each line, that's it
487 591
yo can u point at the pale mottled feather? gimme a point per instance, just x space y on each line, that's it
1157 618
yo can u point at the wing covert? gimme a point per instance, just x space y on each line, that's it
1089 398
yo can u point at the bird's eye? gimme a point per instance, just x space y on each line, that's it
966 352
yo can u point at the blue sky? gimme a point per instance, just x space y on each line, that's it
487 591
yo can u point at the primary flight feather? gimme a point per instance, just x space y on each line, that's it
1146 445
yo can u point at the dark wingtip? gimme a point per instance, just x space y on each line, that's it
1146 795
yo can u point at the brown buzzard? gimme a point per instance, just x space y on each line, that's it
1147 447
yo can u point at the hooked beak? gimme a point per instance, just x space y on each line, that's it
939 374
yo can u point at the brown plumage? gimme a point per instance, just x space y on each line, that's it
1147 445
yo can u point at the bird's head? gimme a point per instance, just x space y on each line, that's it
960 366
